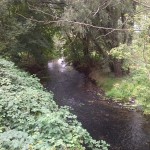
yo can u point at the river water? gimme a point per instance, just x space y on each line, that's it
123 129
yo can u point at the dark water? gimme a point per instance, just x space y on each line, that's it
121 128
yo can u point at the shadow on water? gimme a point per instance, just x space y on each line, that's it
123 129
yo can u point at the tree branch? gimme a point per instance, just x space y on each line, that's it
143 4
77 23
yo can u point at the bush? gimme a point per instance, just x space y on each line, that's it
30 119
135 87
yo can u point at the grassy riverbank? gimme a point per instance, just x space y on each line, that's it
30 118
132 91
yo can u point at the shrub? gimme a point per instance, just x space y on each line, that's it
137 86
30 119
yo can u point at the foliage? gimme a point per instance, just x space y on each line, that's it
30 119
76 19
33 26
136 57
134 88
107 81
13 139
22 40
121 52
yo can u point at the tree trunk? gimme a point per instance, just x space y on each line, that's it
86 48
116 67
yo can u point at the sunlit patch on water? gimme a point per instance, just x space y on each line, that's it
62 64
50 65
61 61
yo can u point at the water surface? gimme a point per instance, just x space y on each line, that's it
123 129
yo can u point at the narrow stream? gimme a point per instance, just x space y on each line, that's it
121 128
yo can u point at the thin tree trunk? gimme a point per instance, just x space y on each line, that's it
117 64
86 53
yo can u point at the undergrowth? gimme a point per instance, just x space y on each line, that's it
133 90
31 120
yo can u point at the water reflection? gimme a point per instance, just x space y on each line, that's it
50 65
123 129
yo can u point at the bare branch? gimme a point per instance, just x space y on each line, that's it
100 7
48 14
77 23
143 4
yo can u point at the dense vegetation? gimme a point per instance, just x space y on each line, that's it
136 57
83 31
30 119
108 38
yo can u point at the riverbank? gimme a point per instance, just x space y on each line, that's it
130 91
31 119
124 91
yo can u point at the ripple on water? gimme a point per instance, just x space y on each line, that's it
123 129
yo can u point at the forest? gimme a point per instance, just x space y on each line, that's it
106 40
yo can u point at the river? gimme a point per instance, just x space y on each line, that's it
123 129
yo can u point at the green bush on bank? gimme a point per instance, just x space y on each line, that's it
31 120
136 58
136 87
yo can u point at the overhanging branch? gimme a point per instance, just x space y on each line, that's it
141 3
77 23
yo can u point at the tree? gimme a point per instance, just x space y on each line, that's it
83 19
136 56
23 40
90 28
